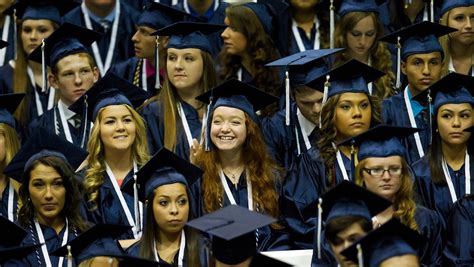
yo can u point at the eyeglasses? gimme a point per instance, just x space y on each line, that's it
394 172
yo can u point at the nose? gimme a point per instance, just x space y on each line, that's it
77 79
357 112
119 126
426 69
33 35
386 175
316 108
48 195
363 40
225 127
225 33
468 24
174 209
135 38
456 122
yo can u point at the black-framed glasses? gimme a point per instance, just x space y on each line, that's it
394 172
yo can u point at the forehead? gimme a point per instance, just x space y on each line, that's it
354 228
353 97
44 172
115 111
174 189
306 93
426 56
229 112
74 59
185 51
456 107
384 161
37 23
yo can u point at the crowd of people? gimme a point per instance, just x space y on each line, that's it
204 132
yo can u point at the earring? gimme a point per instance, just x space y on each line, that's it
437 130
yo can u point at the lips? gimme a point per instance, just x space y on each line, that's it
426 81
456 134
357 124
226 138
120 137
386 186
49 206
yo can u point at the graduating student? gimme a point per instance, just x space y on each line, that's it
73 72
458 46
207 11
393 244
358 30
8 32
238 170
248 46
116 20
38 19
383 170
117 147
459 248
174 116
421 58
50 195
405 13
347 212
164 183
309 22
231 231
445 174
141 70
9 146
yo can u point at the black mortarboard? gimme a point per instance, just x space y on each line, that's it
68 39
232 230
8 105
164 167
380 141
267 12
190 34
99 240
453 88
109 90
41 9
12 235
3 44
262 260
346 6
392 239
470 129
43 144
131 261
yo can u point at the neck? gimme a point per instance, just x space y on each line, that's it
346 150
460 50
2 19
189 95
454 154
119 160
167 240
413 90
200 6
56 223
304 15
246 60
231 159
413 9
100 10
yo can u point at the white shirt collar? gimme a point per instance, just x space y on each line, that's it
306 124
69 113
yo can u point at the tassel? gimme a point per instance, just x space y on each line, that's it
432 11
15 34
430 119
352 160
69 256
320 212
157 64
287 98
360 257
331 24
399 48
84 119
136 205
327 84
43 68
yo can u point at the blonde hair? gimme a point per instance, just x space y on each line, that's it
12 142
404 204
96 163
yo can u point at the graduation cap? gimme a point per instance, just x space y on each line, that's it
262 260
8 104
131 261
347 6
109 90
450 4
390 240
163 168
158 15
419 38
235 94
266 11
96 241
232 230
453 88
3 44
348 199
301 68
68 39
44 144
41 9
380 141
470 129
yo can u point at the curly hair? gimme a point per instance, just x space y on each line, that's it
151 228
262 172
260 48
329 133
96 162
379 54
71 209
168 97
404 203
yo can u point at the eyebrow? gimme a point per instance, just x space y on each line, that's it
166 196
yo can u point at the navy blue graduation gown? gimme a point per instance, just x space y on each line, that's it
431 228
437 196
4 202
109 210
10 49
215 17
127 69
298 203
47 122
52 240
153 114
281 139
394 112
134 250
126 28
307 42
459 248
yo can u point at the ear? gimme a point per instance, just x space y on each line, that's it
403 66
95 71
53 81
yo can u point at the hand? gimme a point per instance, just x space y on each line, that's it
196 150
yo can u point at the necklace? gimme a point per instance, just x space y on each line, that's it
234 175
